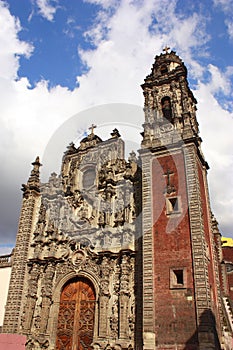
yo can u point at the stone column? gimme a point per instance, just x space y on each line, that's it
104 298
147 254
31 298
124 298
46 292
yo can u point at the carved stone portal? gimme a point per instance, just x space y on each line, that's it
76 315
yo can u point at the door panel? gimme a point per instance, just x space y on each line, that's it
76 316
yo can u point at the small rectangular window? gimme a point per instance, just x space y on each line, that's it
177 278
173 205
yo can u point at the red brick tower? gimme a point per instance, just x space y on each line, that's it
181 308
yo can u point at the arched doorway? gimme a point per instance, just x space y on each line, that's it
75 327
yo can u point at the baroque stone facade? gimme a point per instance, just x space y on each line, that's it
116 254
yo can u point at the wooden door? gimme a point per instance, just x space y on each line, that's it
76 316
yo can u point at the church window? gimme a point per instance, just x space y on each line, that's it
89 178
166 108
177 278
164 69
173 206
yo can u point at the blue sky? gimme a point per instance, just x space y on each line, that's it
60 57
55 57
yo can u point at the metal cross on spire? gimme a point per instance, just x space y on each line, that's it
92 127
166 49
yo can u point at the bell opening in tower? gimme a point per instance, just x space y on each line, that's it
166 108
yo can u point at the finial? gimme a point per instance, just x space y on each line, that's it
36 164
92 127
166 49
34 178
71 149
132 157
115 133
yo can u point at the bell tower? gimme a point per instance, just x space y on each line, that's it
170 107
180 281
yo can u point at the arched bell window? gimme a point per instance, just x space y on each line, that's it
163 69
166 108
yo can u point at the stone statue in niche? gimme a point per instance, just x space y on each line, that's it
119 217
37 320
107 240
101 219
104 287
119 213
108 214
34 275
114 320
83 211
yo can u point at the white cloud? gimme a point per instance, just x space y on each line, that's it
227 8
219 81
47 8
226 5
127 41
229 25
149 26
11 46
216 126
104 3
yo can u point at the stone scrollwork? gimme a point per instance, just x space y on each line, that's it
166 128
37 344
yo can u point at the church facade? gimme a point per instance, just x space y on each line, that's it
123 254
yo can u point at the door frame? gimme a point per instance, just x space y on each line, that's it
54 310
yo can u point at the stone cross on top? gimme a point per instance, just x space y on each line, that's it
166 49
169 187
167 174
92 127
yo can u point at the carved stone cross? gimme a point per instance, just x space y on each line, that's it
166 49
169 187
168 173
92 127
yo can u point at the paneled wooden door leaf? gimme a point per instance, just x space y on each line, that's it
76 316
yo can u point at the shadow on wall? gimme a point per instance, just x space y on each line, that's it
206 337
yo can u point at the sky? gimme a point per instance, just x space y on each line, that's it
61 58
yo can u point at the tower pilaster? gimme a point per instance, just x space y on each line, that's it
29 211
147 254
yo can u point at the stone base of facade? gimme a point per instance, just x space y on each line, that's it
148 341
